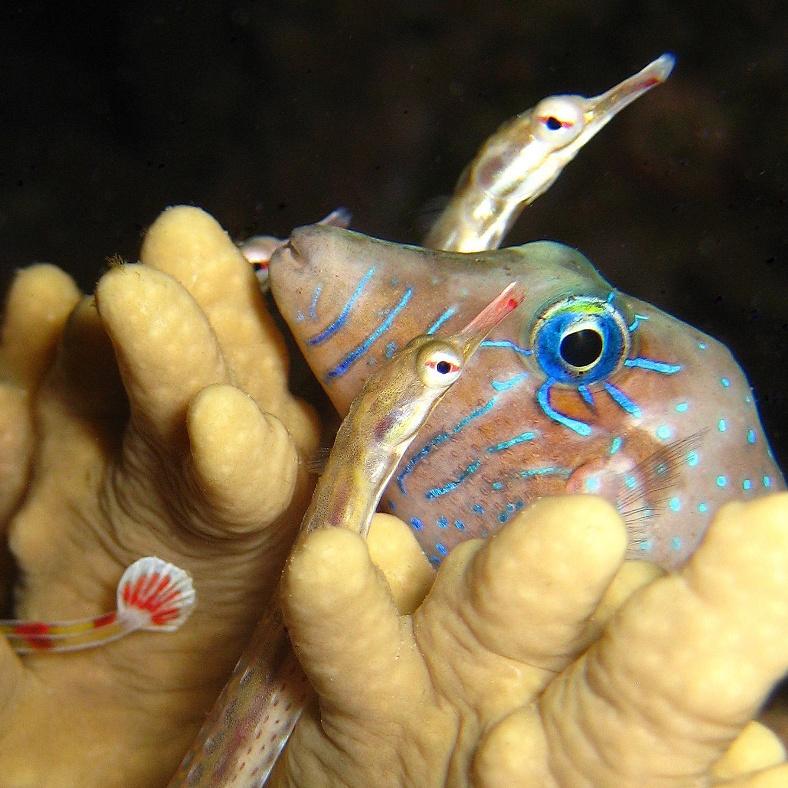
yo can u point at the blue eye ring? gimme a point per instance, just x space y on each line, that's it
580 340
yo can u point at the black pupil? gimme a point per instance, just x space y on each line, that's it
581 348
443 367
553 123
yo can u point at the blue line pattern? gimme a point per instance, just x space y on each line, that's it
450 312
440 438
358 351
341 318
510 383
655 366
507 343
474 414
523 437
622 400
313 304
632 327
421 454
453 484
548 470
586 394
543 398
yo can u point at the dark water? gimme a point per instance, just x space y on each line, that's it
268 118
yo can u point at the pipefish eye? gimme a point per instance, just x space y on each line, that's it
580 340
438 365
559 120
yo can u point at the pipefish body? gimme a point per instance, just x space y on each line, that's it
258 708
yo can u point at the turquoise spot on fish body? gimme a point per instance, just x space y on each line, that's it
615 445
442 522
721 481
682 407
725 383
746 485
702 345
459 525
390 348
630 481
675 543
497 485
478 508
435 561
663 432
674 504
703 507
646 545
416 523
592 484
441 548
751 436
722 425
692 458
767 481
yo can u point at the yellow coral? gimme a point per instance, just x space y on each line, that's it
162 424
491 681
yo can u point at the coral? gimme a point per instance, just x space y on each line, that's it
155 419
196 462
492 680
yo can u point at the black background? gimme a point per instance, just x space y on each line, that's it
270 115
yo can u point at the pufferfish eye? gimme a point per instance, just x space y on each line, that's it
558 120
580 340
439 365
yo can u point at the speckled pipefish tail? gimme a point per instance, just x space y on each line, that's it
258 708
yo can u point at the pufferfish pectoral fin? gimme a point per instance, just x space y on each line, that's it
640 489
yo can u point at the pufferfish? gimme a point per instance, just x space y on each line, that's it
583 389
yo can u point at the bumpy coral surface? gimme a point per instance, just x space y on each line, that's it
492 682
155 419
183 443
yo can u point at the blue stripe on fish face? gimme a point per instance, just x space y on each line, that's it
339 321
344 365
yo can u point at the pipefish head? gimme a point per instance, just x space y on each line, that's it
521 160
398 398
